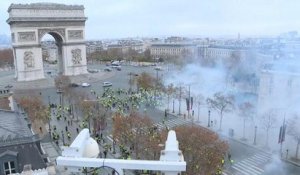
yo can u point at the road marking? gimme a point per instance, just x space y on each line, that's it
243 168
250 167
241 171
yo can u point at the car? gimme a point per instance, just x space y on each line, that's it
85 85
73 85
93 70
119 69
158 68
59 91
107 69
107 84
8 86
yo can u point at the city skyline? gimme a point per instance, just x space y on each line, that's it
129 18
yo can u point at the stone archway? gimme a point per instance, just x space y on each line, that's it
30 22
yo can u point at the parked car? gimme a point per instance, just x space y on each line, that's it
93 70
107 69
8 86
116 66
85 85
107 84
74 85
158 68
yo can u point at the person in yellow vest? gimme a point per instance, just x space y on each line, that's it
223 162
69 135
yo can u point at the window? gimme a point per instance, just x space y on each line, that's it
9 167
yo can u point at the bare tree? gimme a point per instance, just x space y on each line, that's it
199 100
294 131
62 83
146 81
195 141
220 103
246 111
36 110
170 90
6 57
268 121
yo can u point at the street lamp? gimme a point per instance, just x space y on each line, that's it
189 101
63 138
179 111
208 125
49 117
198 112
255 131
173 106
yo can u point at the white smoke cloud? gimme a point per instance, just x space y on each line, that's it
205 81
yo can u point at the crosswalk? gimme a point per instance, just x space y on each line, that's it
252 165
172 123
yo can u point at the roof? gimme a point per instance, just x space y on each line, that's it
26 154
54 6
13 126
287 67
172 45
17 140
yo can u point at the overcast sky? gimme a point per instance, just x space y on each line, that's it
143 18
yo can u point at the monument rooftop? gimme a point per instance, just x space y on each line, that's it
45 5
40 12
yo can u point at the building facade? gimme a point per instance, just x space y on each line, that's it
279 86
171 50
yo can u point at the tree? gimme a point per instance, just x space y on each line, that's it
294 131
88 109
146 81
246 112
199 99
132 80
170 90
34 107
202 149
115 53
268 121
132 132
221 103
147 54
62 84
6 57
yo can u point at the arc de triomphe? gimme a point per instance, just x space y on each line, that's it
30 22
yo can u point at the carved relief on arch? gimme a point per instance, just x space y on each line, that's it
28 60
75 34
61 31
76 56
26 36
